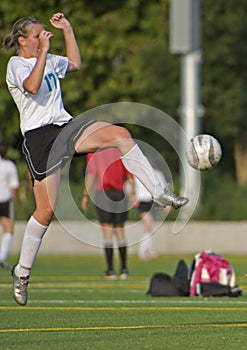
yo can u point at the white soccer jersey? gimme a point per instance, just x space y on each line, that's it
8 179
45 107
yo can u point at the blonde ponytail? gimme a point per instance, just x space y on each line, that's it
20 28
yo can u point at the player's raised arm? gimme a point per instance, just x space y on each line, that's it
72 51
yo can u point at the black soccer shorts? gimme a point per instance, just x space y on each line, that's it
48 148
7 209
111 207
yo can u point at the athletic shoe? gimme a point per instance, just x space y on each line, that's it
20 285
3 264
169 198
124 274
110 275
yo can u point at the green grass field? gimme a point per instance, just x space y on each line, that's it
72 307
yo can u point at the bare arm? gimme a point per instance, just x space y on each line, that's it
13 193
72 51
89 183
33 82
132 190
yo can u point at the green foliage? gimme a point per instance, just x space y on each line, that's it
124 45
224 80
222 198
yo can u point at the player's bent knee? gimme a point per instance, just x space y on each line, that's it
123 133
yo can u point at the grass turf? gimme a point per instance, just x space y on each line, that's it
72 306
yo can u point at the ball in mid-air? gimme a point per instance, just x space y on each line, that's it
203 152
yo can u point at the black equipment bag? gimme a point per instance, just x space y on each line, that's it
162 284
214 289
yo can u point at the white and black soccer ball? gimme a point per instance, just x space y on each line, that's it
203 152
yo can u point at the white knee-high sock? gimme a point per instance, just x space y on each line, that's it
6 243
33 235
137 164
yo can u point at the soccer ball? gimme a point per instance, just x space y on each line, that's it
203 152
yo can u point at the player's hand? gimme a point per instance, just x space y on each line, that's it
44 40
59 21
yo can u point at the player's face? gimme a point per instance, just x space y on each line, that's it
31 43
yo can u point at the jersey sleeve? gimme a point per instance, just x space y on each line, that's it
13 176
60 64
16 73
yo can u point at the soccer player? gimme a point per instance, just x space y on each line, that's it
143 202
106 174
33 81
9 182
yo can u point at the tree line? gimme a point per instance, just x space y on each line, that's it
125 50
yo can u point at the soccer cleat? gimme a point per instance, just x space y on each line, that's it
169 198
124 274
20 285
110 275
3 264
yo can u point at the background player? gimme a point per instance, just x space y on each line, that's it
107 175
9 182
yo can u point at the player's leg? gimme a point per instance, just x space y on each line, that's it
122 248
147 220
45 192
101 134
105 217
108 231
104 135
120 208
6 241
146 250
